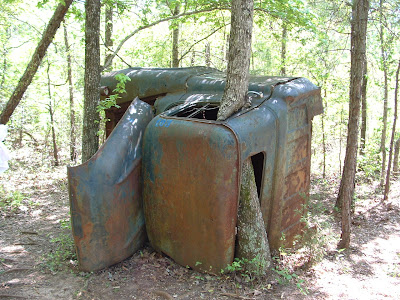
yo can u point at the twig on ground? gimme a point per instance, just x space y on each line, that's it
7 266
17 270
235 296
163 294
25 244
29 232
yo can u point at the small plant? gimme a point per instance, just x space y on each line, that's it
313 239
64 250
244 267
395 269
369 164
285 276
112 100
12 200
199 277
235 266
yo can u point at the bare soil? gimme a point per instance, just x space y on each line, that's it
31 268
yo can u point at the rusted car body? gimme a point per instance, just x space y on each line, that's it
191 163
106 195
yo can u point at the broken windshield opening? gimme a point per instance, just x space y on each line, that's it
205 111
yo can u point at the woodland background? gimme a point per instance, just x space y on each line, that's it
296 38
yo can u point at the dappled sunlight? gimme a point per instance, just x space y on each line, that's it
370 269
12 249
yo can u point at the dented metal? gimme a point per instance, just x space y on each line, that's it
106 195
191 167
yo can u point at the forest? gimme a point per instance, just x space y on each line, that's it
350 246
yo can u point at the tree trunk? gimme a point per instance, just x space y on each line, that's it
5 63
323 141
283 49
364 110
207 54
73 146
175 38
108 42
358 48
338 203
396 90
252 242
90 140
52 123
239 52
385 94
193 59
36 60
396 158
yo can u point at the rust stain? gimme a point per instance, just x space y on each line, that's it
296 182
293 210
299 149
106 195
292 232
191 169
191 208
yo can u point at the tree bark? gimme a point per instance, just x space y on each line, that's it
175 38
358 48
90 140
385 93
5 62
193 59
323 141
73 145
396 90
396 158
207 54
36 60
239 53
283 49
363 131
52 123
108 41
252 242
338 203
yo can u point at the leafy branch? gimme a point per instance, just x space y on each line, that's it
184 14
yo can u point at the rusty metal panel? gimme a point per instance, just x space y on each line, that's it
191 187
147 82
184 173
106 195
300 101
276 125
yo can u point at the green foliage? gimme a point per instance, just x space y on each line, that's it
13 200
112 100
312 238
241 266
369 164
291 12
283 269
394 271
41 3
63 252
285 276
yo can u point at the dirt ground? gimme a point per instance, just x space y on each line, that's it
35 265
